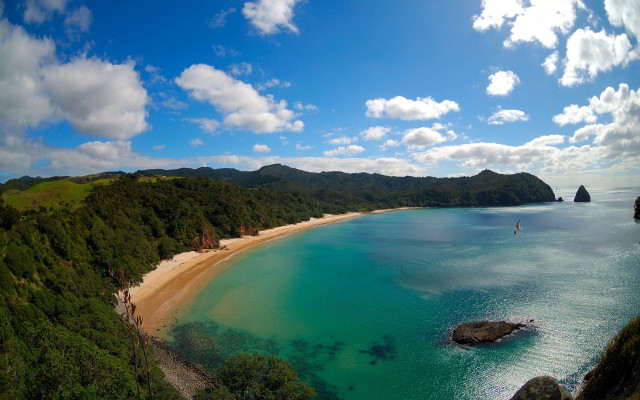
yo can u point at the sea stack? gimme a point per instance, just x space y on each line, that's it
582 196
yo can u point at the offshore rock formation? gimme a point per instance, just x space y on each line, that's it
560 199
582 196
483 331
542 387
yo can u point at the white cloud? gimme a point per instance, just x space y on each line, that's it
502 116
550 63
624 13
541 21
241 104
39 11
437 126
350 150
221 51
196 142
171 102
18 155
389 143
375 133
409 110
78 21
155 77
261 148
589 53
419 138
343 140
285 140
621 137
97 97
574 114
304 107
301 147
219 20
159 147
206 125
242 68
269 16
273 82
502 83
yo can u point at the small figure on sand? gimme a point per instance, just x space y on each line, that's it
517 227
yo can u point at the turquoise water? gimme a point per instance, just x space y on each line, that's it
364 308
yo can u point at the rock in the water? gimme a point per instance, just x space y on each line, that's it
542 388
582 196
560 199
483 331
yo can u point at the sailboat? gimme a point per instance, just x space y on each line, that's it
518 228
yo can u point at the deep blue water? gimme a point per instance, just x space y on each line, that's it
364 309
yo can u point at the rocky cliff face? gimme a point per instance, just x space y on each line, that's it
542 387
582 196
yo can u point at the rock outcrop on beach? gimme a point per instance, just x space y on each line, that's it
542 388
560 199
483 331
582 196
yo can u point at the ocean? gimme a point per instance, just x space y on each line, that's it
364 309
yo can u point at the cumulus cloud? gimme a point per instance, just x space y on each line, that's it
501 116
196 142
574 114
420 138
241 104
409 110
624 13
301 147
539 21
97 97
241 69
220 19
343 140
502 83
270 16
550 63
620 137
261 148
589 53
375 133
206 125
389 143
345 151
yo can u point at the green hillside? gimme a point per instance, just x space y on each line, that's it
371 191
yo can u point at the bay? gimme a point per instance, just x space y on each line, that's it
364 309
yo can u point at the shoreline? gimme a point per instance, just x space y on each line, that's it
175 281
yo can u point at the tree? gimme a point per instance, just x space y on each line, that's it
258 377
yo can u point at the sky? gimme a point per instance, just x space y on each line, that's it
412 87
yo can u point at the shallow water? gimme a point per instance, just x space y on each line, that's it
364 309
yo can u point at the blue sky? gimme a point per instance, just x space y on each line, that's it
400 88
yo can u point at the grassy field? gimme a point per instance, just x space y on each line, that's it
57 193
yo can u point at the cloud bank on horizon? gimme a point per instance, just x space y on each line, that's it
547 87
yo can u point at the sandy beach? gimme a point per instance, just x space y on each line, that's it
174 281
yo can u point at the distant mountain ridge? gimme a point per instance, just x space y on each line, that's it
364 190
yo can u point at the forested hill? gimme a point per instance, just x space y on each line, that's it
370 191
